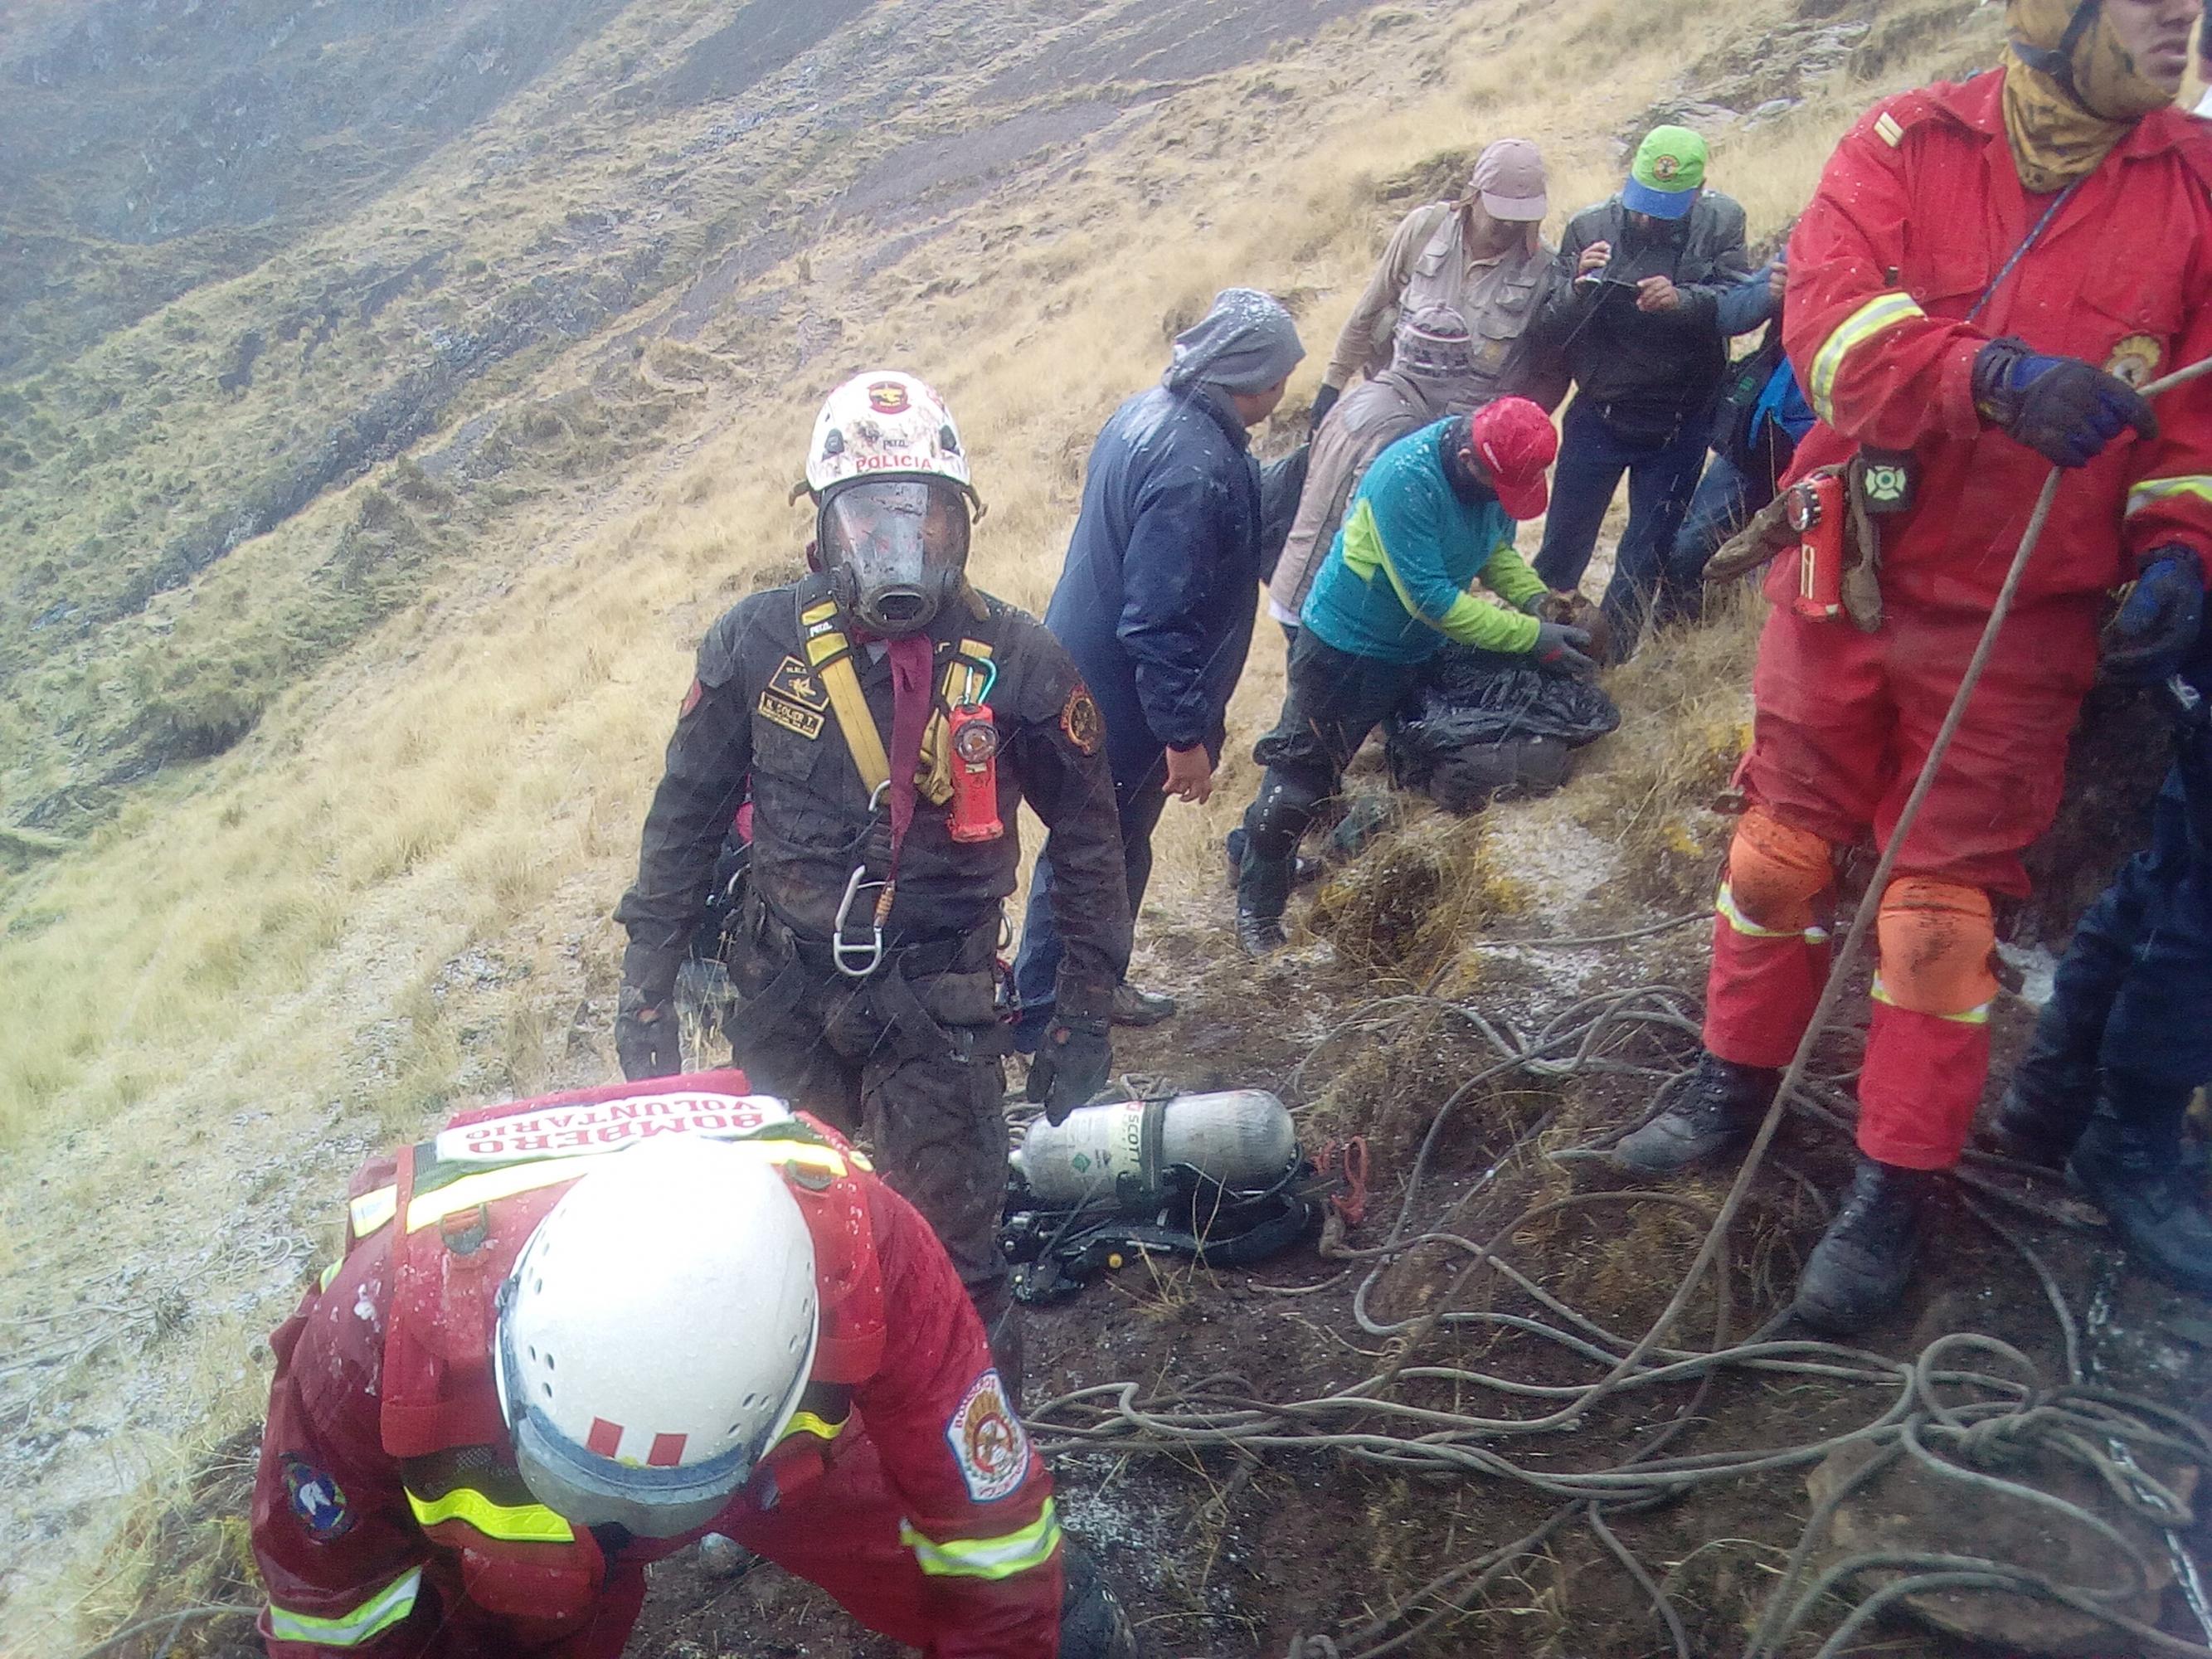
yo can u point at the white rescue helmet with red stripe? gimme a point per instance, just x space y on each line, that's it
656 1334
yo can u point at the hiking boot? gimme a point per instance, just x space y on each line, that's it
1136 1008
1860 1265
2131 1163
1263 888
1719 1111
2044 1109
1304 870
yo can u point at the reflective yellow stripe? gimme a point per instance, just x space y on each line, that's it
366 1622
2151 491
429 1208
512 1524
1972 1016
372 1210
986 1558
323 1279
807 1422
1740 923
1883 311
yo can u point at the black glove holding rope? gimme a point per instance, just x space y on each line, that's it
1072 1064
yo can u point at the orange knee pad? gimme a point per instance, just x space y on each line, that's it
1775 872
1937 940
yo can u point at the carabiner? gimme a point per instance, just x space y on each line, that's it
844 952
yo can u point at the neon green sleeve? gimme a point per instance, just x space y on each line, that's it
1508 575
1488 627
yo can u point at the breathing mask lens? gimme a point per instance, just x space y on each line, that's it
897 547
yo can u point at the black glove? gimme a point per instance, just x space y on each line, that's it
2157 627
1071 1064
647 1040
1324 400
2059 407
1558 650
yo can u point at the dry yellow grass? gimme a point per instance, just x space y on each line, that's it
270 931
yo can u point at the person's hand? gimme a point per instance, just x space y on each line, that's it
2060 407
1595 257
1190 775
646 1041
1324 400
1558 650
1777 278
2158 625
1657 294
1071 1064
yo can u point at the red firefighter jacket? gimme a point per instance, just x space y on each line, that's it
389 1518
1918 213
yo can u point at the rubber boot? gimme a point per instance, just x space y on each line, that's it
1093 1624
1860 1265
1718 1112
1304 871
2130 1163
1263 888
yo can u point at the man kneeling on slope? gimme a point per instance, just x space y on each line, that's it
550 1355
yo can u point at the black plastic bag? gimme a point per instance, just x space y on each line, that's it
1483 725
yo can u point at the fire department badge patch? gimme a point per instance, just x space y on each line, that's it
2135 359
988 1442
317 1500
1080 719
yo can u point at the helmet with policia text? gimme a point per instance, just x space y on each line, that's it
893 501
656 1334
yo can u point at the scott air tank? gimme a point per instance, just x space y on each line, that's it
1242 1137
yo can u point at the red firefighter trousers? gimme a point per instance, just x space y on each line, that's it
1844 720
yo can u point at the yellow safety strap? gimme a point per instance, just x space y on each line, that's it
807 1422
1972 1016
510 1523
2151 491
986 1558
429 1208
831 659
964 681
364 1624
1882 311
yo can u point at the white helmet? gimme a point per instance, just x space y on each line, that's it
656 1334
893 500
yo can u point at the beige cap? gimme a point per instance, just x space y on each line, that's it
1509 178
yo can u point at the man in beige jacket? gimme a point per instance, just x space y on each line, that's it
1482 257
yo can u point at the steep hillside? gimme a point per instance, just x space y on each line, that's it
395 392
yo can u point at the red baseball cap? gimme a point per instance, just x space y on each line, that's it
1514 441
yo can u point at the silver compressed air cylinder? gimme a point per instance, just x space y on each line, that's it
1241 1138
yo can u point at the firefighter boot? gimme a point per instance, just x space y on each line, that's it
1263 888
2129 1161
2047 1106
1719 1111
1862 1262
1092 1623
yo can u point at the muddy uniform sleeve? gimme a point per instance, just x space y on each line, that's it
1058 747
976 1497
339 1550
701 790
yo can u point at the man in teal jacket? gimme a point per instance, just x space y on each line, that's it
1434 512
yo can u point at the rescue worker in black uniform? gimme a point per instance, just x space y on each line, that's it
888 721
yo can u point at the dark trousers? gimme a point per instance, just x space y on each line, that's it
2131 994
1335 700
1036 967
1662 470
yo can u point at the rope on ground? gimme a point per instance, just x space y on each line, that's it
1369 1420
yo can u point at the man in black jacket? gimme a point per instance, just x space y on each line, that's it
865 958
1639 325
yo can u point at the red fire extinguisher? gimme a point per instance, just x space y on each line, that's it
1815 509
974 739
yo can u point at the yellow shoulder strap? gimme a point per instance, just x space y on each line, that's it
831 659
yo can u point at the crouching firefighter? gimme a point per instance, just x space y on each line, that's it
1985 275
892 722
568 1337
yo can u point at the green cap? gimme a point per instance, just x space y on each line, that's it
1668 170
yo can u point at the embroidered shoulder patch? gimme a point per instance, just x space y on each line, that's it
791 681
989 1440
691 699
317 1500
1887 129
789 715
1080 719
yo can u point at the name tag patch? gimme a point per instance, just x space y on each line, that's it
789 715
